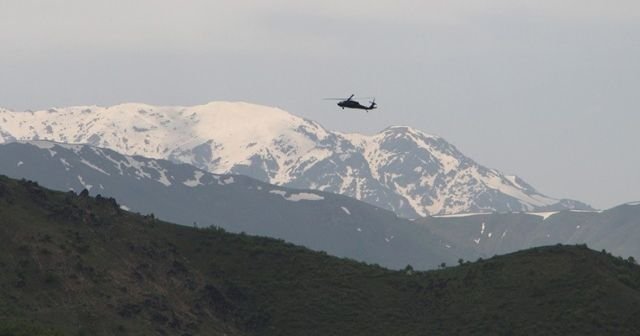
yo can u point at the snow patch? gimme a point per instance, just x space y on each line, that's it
41 144
85 185
295 197
89 164
278 192
494 181
65 164
462 215
196 179
163 175
544 215
514 180
586 211
304 197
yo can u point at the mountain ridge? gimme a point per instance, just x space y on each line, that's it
340 225
400 168
615 229
183 194
79 265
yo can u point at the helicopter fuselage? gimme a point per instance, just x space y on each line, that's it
355 105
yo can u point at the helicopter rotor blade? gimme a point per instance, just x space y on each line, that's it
352 98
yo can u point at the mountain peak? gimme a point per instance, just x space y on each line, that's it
129 107
407 130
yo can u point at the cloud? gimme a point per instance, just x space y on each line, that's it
245 26
119 24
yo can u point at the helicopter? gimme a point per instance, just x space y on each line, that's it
354 104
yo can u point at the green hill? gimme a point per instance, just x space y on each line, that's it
75 265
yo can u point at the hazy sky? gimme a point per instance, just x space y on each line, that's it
545 89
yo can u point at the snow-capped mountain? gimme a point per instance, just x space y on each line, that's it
184 194
400 169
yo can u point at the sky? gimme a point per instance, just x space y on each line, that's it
543 89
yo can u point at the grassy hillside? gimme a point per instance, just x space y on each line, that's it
74 265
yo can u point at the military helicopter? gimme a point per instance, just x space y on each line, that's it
354 104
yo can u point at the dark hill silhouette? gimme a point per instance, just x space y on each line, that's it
83 266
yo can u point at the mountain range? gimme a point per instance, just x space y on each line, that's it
616 230
71 264
400 169
323 221
187 195
74 264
